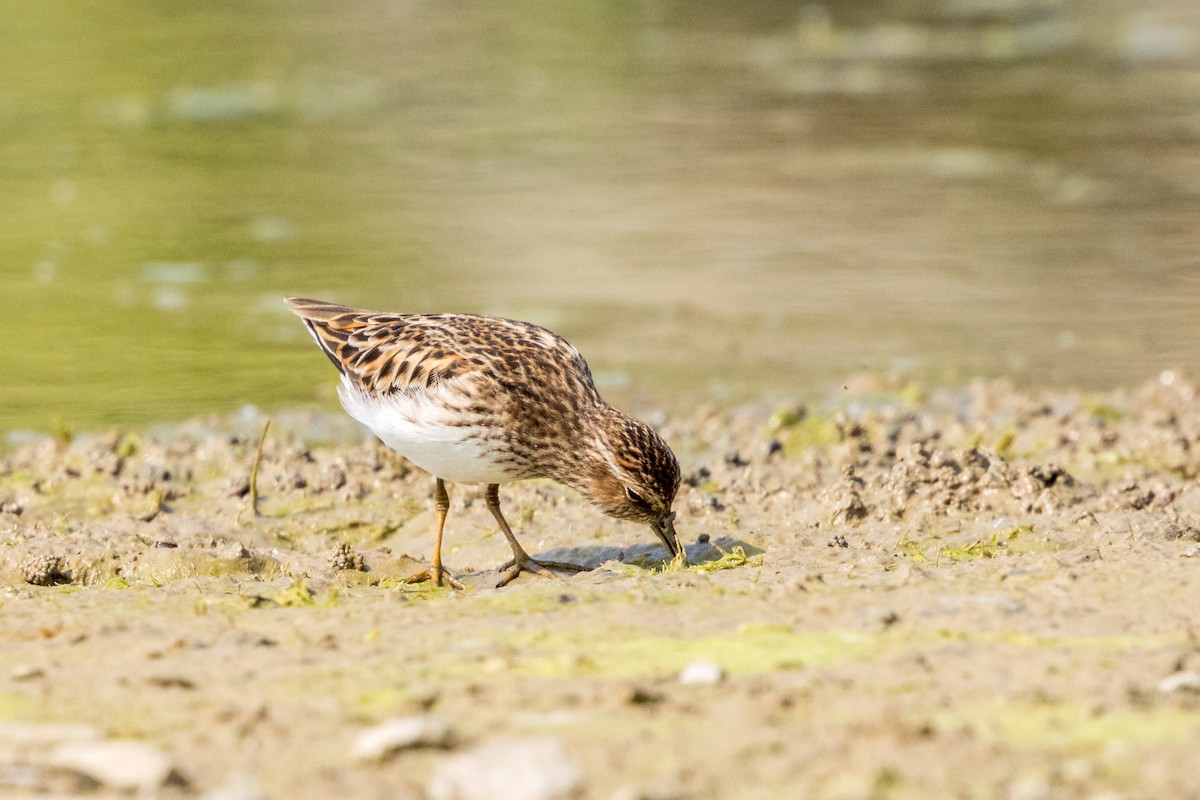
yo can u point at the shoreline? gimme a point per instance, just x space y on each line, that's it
981 589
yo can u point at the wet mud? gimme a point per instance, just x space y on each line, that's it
970 592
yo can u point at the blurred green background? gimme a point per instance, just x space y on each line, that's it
711 198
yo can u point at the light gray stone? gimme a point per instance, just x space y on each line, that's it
117 764
701 673
1180 681
393 735
507 769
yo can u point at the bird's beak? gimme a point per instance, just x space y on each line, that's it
664 529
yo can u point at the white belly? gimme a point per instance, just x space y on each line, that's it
416 428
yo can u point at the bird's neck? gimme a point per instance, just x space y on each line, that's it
589 459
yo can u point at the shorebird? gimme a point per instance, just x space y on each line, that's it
486 400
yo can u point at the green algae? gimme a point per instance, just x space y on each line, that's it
157 567
733 558
1115 643
911 550
17 706
799 431
1073 727
788 417
128 444
1019 540
1004 444
751 649
913 394
379 685
1104 414
813 433
375 702
296 594
533 600
977 549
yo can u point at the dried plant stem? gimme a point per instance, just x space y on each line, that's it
254 471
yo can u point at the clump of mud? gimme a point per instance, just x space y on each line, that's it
940 472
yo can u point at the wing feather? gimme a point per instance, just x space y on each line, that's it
383 353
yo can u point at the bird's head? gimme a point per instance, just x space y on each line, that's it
635 477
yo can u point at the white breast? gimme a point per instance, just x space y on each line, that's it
419 428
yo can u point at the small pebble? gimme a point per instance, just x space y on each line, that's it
734 459
26 672
701 673
122 765
238 787
391 736
508 769
1185 681
641 696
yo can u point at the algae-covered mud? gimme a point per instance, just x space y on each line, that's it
977 592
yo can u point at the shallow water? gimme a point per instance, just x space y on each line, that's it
708 203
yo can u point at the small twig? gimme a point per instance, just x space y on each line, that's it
254 471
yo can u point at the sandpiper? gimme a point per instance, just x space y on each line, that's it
487 400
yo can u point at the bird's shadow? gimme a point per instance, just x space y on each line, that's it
649 555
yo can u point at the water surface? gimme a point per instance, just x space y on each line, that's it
708 202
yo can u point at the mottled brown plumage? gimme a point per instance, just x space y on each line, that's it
476 399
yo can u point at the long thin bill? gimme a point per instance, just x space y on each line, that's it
664 529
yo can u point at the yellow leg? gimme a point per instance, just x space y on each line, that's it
441 501
521 561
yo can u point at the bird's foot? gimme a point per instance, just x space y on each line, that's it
445 576
515 566
441 577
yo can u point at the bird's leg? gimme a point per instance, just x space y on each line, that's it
521 561
441 501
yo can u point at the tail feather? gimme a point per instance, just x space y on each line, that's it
317 315
318 310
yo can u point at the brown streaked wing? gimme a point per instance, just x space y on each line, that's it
383 353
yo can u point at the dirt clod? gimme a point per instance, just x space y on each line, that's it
43 569
346 557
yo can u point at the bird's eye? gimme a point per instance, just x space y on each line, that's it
634 497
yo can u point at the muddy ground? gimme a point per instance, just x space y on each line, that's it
976 593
